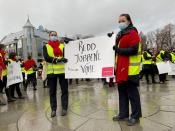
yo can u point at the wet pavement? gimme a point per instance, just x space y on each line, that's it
91 108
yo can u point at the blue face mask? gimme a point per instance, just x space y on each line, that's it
123 25
53 38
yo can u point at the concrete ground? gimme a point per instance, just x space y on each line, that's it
91 108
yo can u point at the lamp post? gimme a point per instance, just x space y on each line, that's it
16 45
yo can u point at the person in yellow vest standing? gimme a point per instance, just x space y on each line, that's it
128 51
163 56
148 65
23 72
30 68
4 63
53 53
2 67
172 53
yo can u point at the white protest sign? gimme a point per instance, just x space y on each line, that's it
90 58
14 73
172 69
164 67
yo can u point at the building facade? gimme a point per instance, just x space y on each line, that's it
27 42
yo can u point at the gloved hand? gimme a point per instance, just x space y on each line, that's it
56 61
110 34
6 62
64 60
66 41
115 48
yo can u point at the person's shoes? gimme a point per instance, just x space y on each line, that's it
14 98
34 89
64 112
2 92
154 82
53 113
133 121
25 88
2 103
11 100
161 82
118 118
21 97
148 83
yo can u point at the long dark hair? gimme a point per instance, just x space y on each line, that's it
128 18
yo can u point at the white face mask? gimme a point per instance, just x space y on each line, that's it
123 25
53 38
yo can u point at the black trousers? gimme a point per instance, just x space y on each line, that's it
31 78
152 76
148 69
52 83
162 78
24 81
13 88
1 86
4 85
128 91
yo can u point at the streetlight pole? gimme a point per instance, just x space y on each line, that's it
16 45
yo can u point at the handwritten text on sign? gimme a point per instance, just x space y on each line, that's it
14 73
90 58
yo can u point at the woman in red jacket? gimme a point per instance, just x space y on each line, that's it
127 50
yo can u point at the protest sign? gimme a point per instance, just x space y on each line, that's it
14 73
164 67
90 58
172 69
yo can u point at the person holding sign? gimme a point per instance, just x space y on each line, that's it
163 56
128 52
53 53
16 86
148 65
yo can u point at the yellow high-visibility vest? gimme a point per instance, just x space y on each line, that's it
5 72
134 63
55 68
159 58
23 70
145 62
172 56
30 71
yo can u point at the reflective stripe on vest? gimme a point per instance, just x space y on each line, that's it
134 66
29 71
54 68
145 62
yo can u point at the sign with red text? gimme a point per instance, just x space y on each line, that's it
90 58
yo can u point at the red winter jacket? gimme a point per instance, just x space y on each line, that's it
128 44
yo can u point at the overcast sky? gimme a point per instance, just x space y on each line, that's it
84 16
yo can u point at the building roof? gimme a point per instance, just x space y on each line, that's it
28 24
11 37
